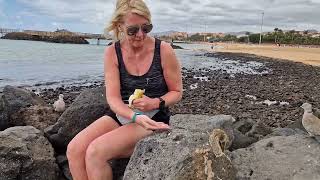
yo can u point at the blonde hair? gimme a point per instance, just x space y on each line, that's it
123 7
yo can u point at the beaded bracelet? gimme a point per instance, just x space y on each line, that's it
134 117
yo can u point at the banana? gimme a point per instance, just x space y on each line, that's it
138 93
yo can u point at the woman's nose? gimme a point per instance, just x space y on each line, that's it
139 33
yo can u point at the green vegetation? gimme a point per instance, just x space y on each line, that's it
278 36
196 37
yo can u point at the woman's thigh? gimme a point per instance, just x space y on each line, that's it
99 127
118 143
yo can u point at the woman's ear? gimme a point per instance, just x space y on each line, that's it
120 28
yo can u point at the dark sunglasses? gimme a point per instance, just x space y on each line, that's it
134 29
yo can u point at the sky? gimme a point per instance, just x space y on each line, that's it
179 15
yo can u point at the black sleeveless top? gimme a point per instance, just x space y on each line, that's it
153 81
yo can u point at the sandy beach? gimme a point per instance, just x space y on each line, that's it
297 53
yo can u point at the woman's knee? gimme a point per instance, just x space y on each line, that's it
94 153
74 150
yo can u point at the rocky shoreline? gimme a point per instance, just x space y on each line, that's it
257 109
244 96
53 39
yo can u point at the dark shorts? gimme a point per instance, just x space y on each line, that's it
161 116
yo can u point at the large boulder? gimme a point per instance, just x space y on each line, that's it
163 155
14 99
54 39
86 108
205 164
37 116
26 154
279 157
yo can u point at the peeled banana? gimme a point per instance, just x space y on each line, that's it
138 93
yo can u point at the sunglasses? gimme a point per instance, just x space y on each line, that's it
134 29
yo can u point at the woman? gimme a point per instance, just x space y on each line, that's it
133 62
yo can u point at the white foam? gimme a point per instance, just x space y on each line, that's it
201 78
251 97
194 86
283 103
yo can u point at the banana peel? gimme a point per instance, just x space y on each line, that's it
138 93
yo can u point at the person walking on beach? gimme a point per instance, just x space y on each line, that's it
136 61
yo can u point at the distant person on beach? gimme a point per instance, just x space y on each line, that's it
135 61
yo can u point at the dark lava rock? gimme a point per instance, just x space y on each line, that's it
88 107
176 47
54 39
287 81
26 154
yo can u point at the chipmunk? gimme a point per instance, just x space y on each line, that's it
138 93
218 141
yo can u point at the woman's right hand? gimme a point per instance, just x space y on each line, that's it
150 124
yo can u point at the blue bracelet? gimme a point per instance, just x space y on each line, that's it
134 117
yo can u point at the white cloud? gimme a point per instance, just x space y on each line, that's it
2 14
191 15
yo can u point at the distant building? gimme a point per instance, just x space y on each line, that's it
65 32
38 33
178 35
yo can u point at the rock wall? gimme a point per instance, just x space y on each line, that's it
54 39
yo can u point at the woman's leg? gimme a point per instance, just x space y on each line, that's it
78 146
118 143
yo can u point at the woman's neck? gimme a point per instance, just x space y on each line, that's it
136 50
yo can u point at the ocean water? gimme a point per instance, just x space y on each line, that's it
41 64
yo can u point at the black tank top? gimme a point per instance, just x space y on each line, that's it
153 81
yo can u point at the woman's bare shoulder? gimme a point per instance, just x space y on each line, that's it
166 47
167 52
110 53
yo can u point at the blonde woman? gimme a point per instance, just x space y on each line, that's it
136 61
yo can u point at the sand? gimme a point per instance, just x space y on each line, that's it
300 54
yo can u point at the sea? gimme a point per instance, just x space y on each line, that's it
34 64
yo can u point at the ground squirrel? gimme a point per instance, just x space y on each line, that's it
218 140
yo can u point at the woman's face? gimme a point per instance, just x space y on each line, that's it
132 21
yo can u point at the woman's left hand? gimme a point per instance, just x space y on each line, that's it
145 104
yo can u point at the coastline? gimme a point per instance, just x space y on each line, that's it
273 98
46 38
265 99
307 55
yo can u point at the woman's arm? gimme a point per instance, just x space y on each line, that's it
112 82
172 74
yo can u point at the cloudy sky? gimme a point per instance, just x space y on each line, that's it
180 15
